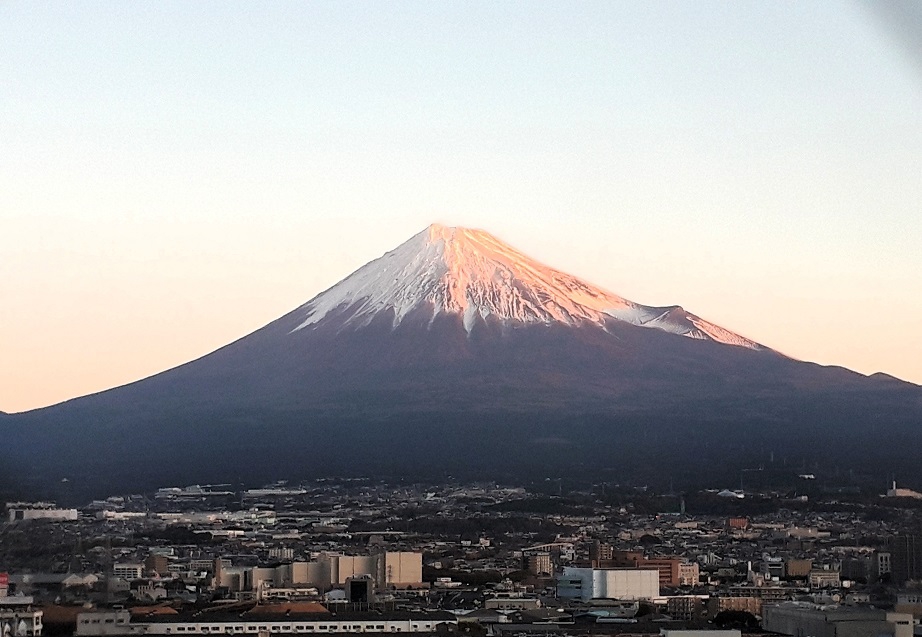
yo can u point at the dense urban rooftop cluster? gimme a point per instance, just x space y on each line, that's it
368 556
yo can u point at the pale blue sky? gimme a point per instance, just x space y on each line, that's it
174 175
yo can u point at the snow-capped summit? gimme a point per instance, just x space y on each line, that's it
473 274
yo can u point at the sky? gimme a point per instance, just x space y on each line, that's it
175 175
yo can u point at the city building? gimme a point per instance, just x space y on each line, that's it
599 552
23 511
687 607
880 564
157 564
508 601
799 568
799 619
688 574
855 568
719 604
824 579
539 564
19 617
772 566
673 571
128 571
399 569
290 618
905 558
360 590
389 570
909 602
611 583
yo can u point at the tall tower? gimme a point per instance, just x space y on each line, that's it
218 573
906 557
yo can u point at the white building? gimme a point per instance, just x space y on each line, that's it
19 618
21 511
128 571
118 516
880 564
611 583
119 623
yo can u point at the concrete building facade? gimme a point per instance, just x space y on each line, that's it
824 579
128 571
751 605
800 620
906 558
113 623
19 617
388 570
610 583
24 511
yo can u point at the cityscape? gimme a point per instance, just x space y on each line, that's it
363 555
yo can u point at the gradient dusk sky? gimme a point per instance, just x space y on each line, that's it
175 175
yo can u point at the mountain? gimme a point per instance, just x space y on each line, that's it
456 353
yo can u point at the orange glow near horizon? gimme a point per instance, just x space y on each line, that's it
176 175
129 324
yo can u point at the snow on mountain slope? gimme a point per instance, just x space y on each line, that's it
474 274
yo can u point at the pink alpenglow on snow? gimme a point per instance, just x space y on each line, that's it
475 275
